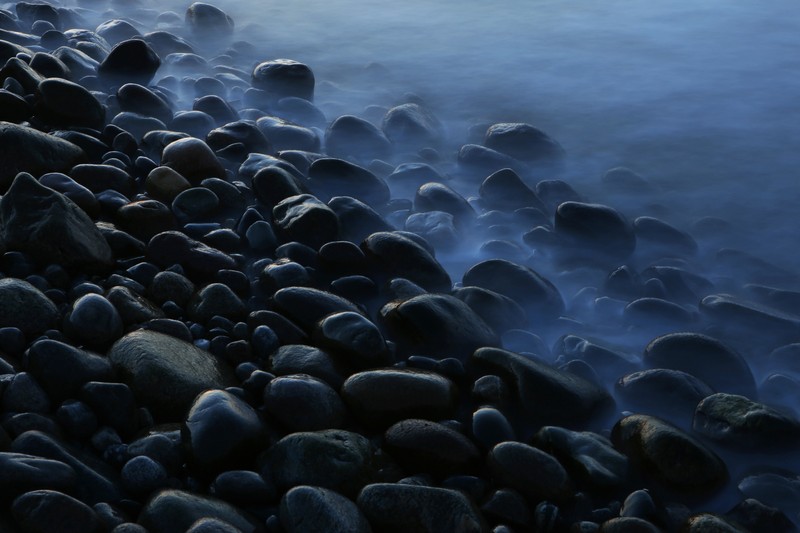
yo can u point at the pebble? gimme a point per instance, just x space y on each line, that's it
307 509
42 511
425 446
93 321
24 307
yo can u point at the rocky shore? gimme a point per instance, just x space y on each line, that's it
227 307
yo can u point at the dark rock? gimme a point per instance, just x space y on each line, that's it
702 356
352 137
165 43
625 181
593 230
117 30
300 402
525 143
532 472
144 101
478 161
24 307
329 177
505 190
508 506
215 299
176 510
588 457
141 475
98 178
83 197
743 317
60 102
352 337
243 487
192 159
500 312
133 308
131 61
773 489
700 523
438 325
240 131
170 286
357 220
307 306
412 126
165 373
737 421
173 247
79 64
206 21
221 432
440 197
212 525
752 515
307 509
671 457
658 315
62 369
273 184
555 192
284 135
114 405
397 508
333 459
610 362
282 78
665 393
663 237
21 473
535 294
385 396
424 446
42 511
27 150
93 321
546 394
300 359
306 220
399 256
14 108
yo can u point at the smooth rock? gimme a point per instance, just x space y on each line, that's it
424 446
301 402
93 321
25 307
177 510
131 61
282 78
306 509
45 511
62 369
588 457
400 257
307 220
329 177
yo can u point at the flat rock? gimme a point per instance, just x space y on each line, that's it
165 373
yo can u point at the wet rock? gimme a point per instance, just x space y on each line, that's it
549 395
206 21
385 396
306 220
14 108
273 184
192 159
300 402
438 325
740 422
525 143
412 127
98 178
710 522
287 136
301 359
609 362
671 457
329 177
142 475
62 369
662 236
440 197
773 489
478 161
61 102
93 321
354 338
240 131
657 315
393 507
115 31
172 247
41 511
131 61
500 312
702 356
114 405
535 294
669 394
594 231
21 473
737 315
505 190
83 197
752 514
332 459
24 307
171 510
27 150
170 286
215 299
306 509
401 257
133 308
425 446
147 360
532 472
282 78
587 456
352 137
220 432
357 220
307 306
491 427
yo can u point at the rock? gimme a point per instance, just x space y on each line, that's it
663 237
385 396
425 446
352 137
671 457
525 143
93 321
50 227
131 61
300 402
192 159
282 78
43 511
477 161
491 427
212 525
740 422
329 177
533 292
221 432
147 360
546 394
703 522
657 315
412 127
307 306
622 180
243 487
746 318
307 509
98 178
773 489
534 473
60 102
14 108
173 247
83 197
357 220
176 510
23 306
114 405
142 475
397 508
240 131
196 204
215 299
354 338
752 514
25 149
132 308
62 369
609 362
440 197
306 220
588 457
206 21
333 459
437 325
625 524
500 312
668 394
594 231
117 30
288 136
273 184
702 356
505 190
400 257
21 473
300 359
